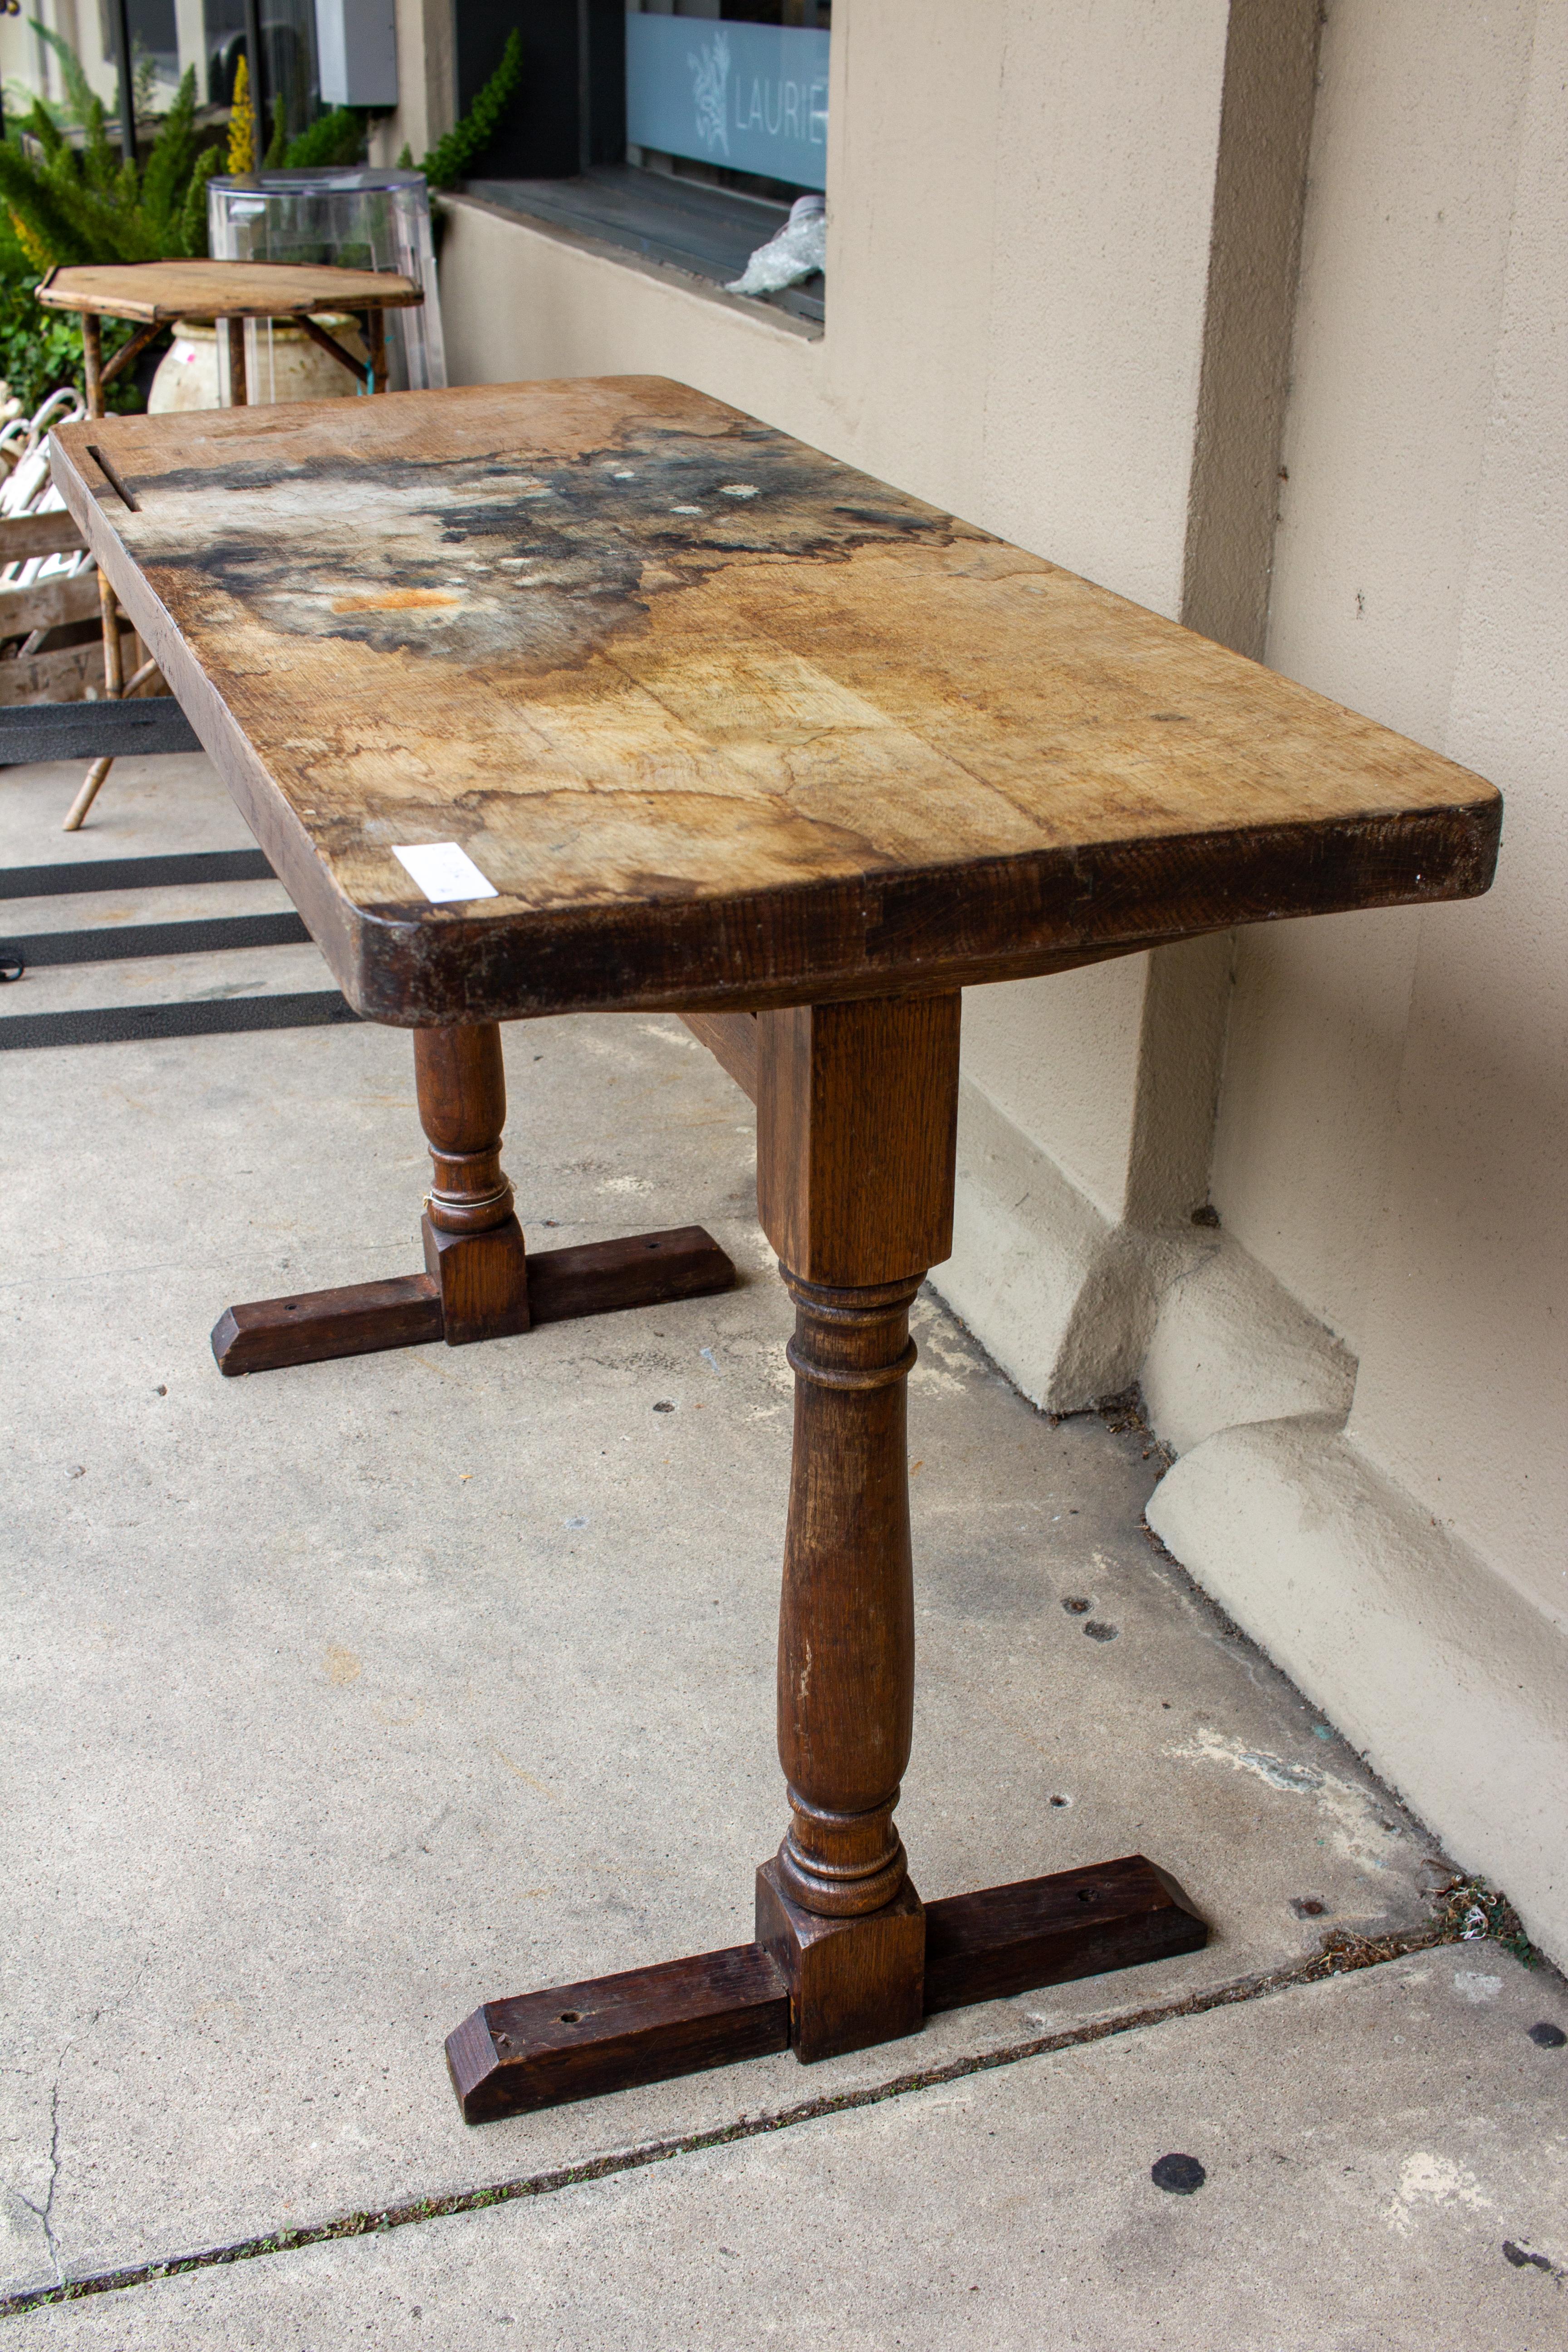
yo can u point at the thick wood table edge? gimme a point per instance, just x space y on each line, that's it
1045 911
313 1327
813 939
646 2025
280 834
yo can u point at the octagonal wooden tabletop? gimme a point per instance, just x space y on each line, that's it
160 292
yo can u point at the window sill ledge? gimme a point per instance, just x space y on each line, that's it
664 226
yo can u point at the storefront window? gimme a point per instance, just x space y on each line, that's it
288 55
684 131
730 91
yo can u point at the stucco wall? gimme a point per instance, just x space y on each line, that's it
1019 246
1041 296
1390 1130
1020 225
26 63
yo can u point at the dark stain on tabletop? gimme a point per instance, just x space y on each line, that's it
538 563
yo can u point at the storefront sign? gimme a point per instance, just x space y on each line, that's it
750 97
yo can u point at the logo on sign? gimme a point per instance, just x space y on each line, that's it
750 97
709 88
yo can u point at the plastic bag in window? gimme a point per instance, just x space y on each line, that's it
799 250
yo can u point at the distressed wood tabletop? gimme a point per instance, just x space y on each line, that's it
157 291
724 722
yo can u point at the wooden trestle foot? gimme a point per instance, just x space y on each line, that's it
479 1282
857 1118
611 2033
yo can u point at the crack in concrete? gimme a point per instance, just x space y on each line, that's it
45 2212
1338 1954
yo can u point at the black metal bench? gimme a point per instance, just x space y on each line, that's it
93 730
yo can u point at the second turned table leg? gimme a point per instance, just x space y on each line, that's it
473 1243
834 1907
479 1283
857 1107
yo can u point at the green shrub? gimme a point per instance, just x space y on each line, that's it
451 157
62 203
67 203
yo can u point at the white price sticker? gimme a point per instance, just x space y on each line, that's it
444 873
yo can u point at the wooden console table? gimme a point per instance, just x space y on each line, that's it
731 732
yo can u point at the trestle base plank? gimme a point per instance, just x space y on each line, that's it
579 2040
638 1270
269 1335
1041 1931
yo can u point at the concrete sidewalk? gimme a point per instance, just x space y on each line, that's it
1378 2161
340 1700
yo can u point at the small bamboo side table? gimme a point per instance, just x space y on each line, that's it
157 293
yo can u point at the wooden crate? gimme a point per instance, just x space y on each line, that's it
67 673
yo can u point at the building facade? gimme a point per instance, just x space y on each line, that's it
1257 313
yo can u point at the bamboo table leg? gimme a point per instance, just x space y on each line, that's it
114 686
238 394
113 665
856 1109
479 1283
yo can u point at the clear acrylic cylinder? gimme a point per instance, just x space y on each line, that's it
353 218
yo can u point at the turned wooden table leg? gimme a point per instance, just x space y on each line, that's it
857 1118
473 1243
479 1282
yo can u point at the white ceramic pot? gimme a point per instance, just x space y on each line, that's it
283 364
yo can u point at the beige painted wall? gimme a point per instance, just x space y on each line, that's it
1390 1130
1020 217
426 81
1041 296
1019 230
1393 1112
25 62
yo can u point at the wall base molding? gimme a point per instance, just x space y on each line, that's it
1075 1306
1064 1298
1452 1685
